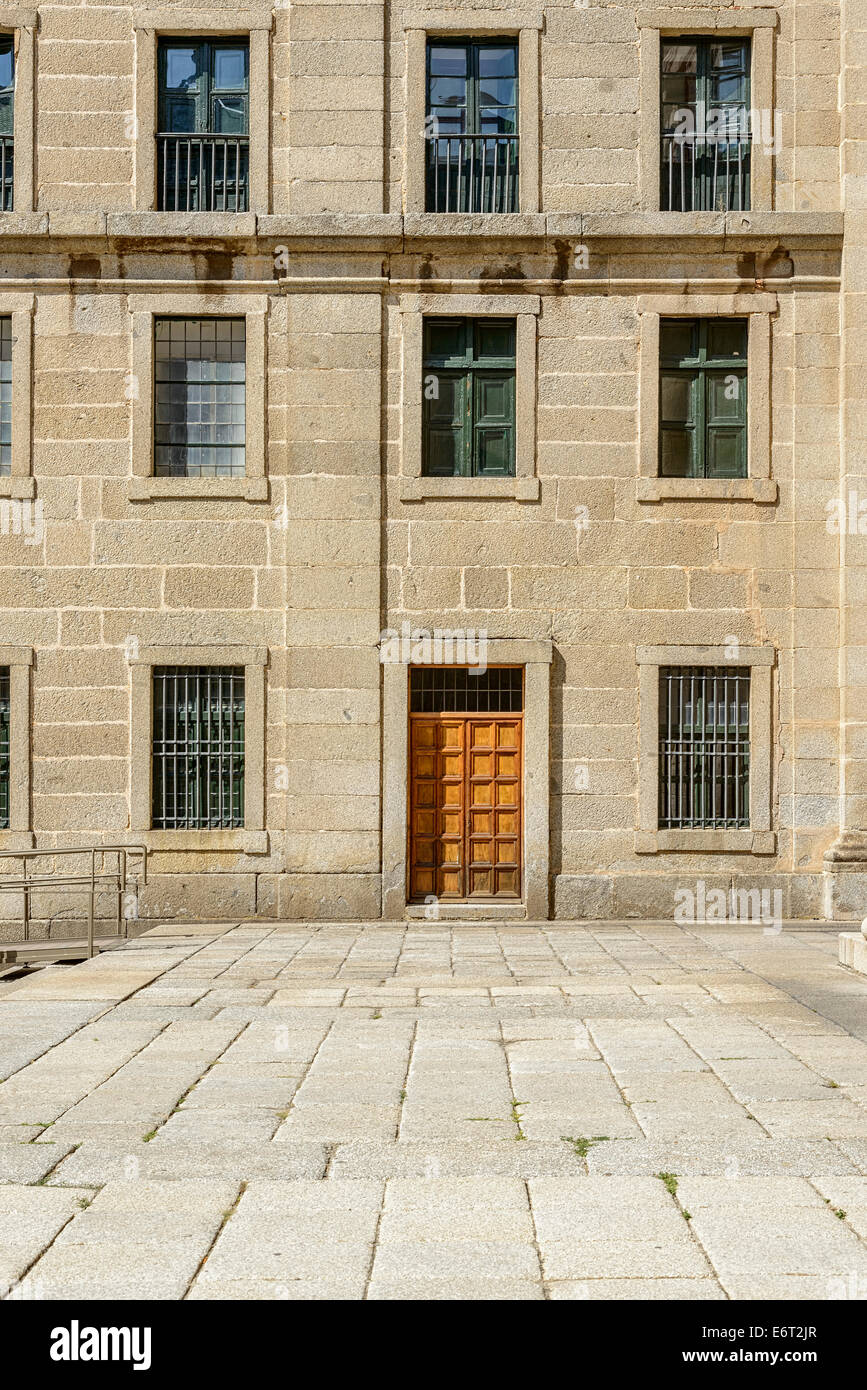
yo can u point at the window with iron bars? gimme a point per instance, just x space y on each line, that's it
198 748
706 133
472 125
200 397
5 396
203 143
7 117
704 747
4 748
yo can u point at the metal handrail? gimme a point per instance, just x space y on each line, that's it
705 173
88 882
7 155
472 173
202 171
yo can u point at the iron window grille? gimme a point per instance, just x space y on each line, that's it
706 134
704 747
203 144
200 397
464 690
198 748
7 118
703 398
4 748
469 398
5 396
471 129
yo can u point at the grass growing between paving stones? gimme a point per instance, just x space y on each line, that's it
582 1145
669 1182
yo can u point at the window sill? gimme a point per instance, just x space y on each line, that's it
761 490
207 489
423 225
706 841
181 224
204 841
485 489
17 487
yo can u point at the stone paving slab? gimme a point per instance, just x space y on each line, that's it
304 1112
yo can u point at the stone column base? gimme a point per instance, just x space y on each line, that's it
845 878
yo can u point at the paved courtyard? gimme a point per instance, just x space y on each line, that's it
484 1112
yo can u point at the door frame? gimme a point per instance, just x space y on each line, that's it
536 659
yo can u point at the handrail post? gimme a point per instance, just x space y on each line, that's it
24 861
90 902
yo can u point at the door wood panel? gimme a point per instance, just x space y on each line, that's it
465 802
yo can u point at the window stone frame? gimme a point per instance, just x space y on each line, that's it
414 309
253 839
23 24
19 834
758 838
20 483
536 658
758 485
149 26
144 309
419 26
758 25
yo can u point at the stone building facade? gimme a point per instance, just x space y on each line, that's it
446 391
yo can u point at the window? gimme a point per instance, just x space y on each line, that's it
703 398
704 747
5 396
7 114
198 748
469 398
203 125
472 125
4 747
705 136
199 397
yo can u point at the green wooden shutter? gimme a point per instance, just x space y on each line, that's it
494 424
446 424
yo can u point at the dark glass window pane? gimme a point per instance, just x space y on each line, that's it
495 338
675 454
230 67
677 338
450 60
445 338
448 91
727 338
676 396
498 62
182 67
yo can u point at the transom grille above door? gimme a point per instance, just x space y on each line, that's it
466 690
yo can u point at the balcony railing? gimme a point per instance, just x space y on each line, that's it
6 170
705 173
472 173
203 173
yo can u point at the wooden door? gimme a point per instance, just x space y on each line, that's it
465 806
